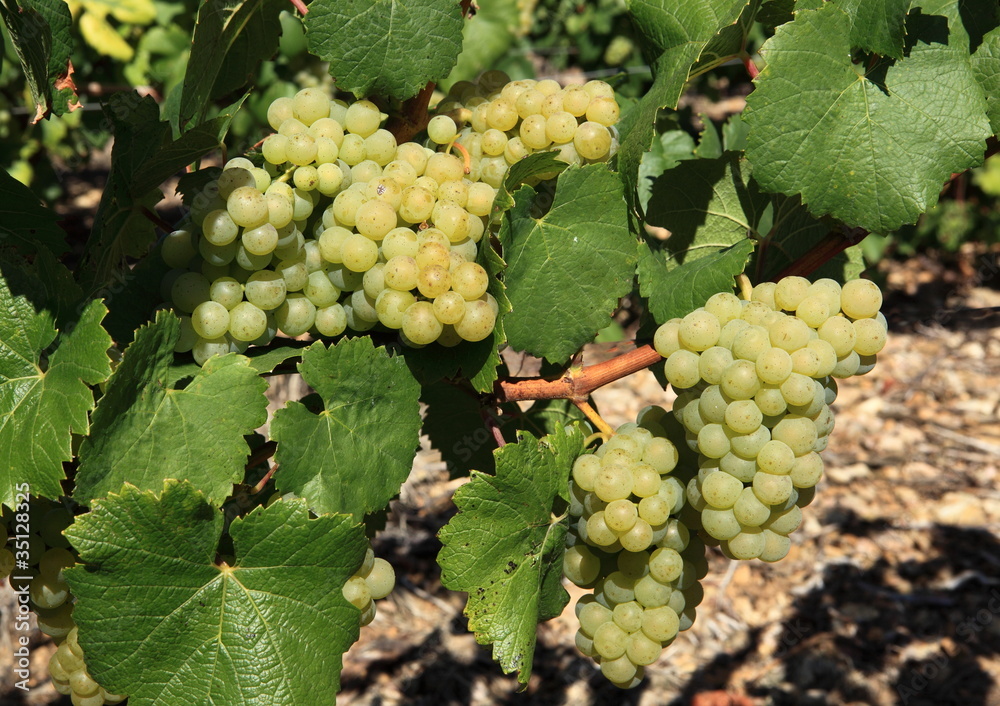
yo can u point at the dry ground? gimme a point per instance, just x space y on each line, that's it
890 595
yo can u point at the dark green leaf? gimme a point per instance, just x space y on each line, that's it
385 47
24 222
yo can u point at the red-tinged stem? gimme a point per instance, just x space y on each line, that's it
750 66
825 250
494 428
576 383
300 6
156 220
265 452
413 116
263 481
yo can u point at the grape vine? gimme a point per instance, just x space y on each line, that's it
391 243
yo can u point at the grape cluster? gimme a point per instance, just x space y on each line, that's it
70 676
373 581
755 381
642 563
344 228
49 554
508 120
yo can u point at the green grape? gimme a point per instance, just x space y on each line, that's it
749 511
738 467
598 532
682 369
210 319
603 110
813 310
740 381
441 129
374 219
265 289
187 337
280 209
613 483
580 565
494 142
785 521
592 140
776 457
860 299
294 271
628 616
205 348
359 252
328 128
419 323
721 490
260 240
789 333
638 538
363 306
247 207
533 132
805 362
592 615
560 127
357 592
311 104
825 354
749 445
720 523
400 242
699 331
306 178
381 580
798 433
789 291
748 544
642 650
177 248
387 190
478 321
218 256
585 471
233 178
712 405
743 416
362 118
479 201
247 322
279 110
798 389
189 290
645 480
82 683
847 366
275 149
730 331
48 592
665 565
774 365
610 641
661 454
331 320
772 489
807 470
401 273
839 333
750 343
776 546
713 441
870 336
713 363
660 623
501 115
621 515
655 510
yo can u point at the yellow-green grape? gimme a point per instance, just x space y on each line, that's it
265 289
331 320
603 110
178 248
580 565
860 299
401 273
592 141
352 150
363 118
357 592
441 129
381 579
279 110
233 178
247 207
247 322
682 369
420 325
771 489
359 253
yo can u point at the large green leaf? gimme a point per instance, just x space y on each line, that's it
161 622
675 34
868 146
354 455
231 38
49 353
145 431
24 222
567 266
385 47
505 545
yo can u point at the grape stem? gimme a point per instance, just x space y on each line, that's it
156 220
577 383
263 481
834 243
596 419
263 453
493 427
300 6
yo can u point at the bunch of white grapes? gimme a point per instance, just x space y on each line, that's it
70 676
343 228
49 554
373 581
643 564
508 120
755 380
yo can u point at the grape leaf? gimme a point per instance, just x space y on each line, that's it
676 32
231 37
161 622
385 47
986 64
353 456
455 425
24 222
730 41
519 172
673 292
877 26
40 32
568 266
711 208
144 431
897 131
669 149
49 353
505 545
